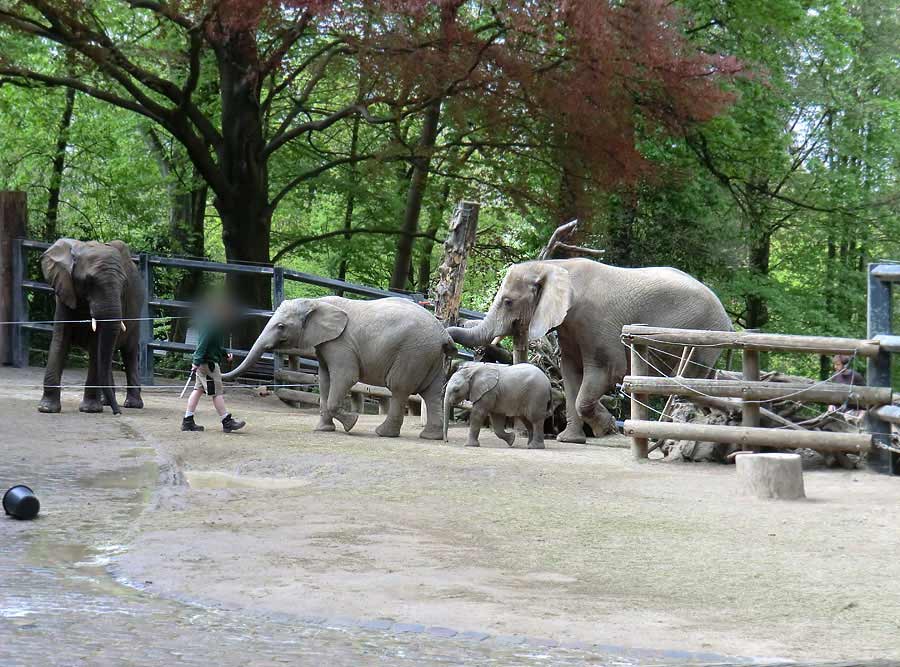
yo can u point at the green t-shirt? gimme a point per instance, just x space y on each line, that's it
210 345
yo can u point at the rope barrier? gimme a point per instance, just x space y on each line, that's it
756 401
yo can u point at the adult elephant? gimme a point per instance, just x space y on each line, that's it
97 282
391 343
588 303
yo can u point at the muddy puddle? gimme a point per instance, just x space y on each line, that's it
214 479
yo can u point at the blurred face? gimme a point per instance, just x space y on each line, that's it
838 364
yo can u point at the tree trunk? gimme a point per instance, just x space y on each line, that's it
51 229
760 244
244 209
417 184
351 200
423 278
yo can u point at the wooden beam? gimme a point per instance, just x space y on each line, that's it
825 441
888 413
825 392
284 376
753 341
639 444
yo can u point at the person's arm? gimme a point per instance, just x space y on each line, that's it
200 352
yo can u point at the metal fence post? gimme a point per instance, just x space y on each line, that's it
277 298
878 371
146 324
18 333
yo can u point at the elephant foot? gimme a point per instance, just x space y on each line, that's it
325 425
602 425
90 405
572 434
348 420
508 438
389 428
432 433
49 405
135 402
473 443
535 444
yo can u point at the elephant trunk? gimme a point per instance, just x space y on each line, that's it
448 410
477 336
256 352
107 334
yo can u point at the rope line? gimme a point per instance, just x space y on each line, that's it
754 401
89 320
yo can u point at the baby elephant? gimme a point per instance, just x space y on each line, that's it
500 391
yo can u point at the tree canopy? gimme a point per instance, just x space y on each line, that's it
749 143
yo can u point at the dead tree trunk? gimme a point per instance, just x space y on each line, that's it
13 214
51 231
460 239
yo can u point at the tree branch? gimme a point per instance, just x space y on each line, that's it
293 245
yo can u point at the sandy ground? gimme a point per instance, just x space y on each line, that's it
576 542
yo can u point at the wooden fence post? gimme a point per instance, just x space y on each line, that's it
13 214
638 410
460 239
750 372
145 359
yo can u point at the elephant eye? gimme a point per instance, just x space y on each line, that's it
281 325
507 302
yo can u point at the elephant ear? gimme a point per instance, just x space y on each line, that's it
57 264
484 378
123 249
554 296
324 322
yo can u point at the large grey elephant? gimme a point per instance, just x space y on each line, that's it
391 343
588 303
99 282
498 391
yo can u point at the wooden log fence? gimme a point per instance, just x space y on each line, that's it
750 391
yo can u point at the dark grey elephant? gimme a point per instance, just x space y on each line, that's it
391 343
588 303
500 391
99 282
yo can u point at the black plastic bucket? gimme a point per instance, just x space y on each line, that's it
20 502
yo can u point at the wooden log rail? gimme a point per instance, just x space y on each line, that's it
824 392
751 390
856 443
763 342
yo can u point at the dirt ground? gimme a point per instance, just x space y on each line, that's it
575 542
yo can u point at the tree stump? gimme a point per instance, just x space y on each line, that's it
778 476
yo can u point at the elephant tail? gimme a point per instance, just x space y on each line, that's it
449 346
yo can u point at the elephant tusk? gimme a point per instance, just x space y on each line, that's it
93 325
122 324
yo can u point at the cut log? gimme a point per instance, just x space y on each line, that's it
295 397
778 476
825 392
763 437
753 341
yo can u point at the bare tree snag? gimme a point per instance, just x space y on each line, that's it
452 272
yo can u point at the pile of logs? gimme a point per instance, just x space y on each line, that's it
783 414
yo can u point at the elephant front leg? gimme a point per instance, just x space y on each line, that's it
56 360
390 427
498 423
572 377
593 387
476 421
325 423
342 374
131 360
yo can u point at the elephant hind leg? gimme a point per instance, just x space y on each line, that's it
91 401
390 427
56 361
498 423
131 361
535 433
594 385
431 397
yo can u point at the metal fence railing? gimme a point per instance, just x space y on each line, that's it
153 305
